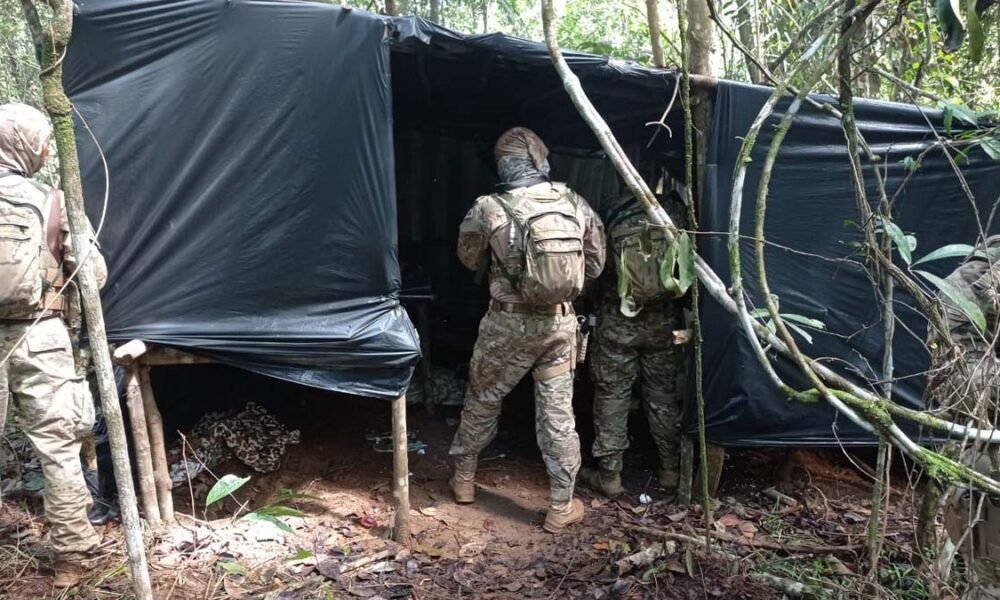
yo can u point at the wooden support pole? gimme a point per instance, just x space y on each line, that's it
158 448
716 460
423 328
143 458
400 471
687 471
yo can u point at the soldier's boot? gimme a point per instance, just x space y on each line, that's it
463 480
668 478
604 481
559 518
67 574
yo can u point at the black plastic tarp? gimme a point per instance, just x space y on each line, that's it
810 206
251 208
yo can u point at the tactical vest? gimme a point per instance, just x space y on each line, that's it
30 241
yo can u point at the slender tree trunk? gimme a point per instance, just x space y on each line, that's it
486 16
390 8
699 46
749 39
436 11
699 37
54 38
653 18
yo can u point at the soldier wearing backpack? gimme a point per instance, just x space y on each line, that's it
634 340
37 371
541 243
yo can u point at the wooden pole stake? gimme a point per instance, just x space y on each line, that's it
143 458
400 471
158 448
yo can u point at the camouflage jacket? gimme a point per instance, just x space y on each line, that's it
487 227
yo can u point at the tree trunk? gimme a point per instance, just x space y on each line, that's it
436 11
749 40
486 16
699 37
699 45
390 8
653 18
54 38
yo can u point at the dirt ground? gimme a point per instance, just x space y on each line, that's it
494 548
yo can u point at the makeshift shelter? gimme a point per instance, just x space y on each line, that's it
259 151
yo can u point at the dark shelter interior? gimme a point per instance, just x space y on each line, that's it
452 98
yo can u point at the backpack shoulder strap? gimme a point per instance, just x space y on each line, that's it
620 213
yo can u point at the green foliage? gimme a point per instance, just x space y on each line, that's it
224 487
233 568
791 320
277 508
949 251
968 307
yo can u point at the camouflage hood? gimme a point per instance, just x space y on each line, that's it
23 134
521 156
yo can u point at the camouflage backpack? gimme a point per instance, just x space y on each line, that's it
22 242
648 266
546 262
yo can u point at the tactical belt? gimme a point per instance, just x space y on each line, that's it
529 309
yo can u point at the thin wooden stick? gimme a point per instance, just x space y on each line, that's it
400 471
158 447
790 547
143 457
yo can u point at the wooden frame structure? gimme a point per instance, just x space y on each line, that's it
150 448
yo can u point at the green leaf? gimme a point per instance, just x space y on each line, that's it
977 38
911 164
686 262
899 239
623 282
955 295
805 321
302 554
224 487
991 146
233 568
287 494
281 511
256 516
962 113
667 268
808 338
949 251
760 313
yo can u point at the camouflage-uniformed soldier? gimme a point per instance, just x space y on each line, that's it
37 371
541 241
966 380
634 339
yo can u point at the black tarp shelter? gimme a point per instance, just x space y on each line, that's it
259 151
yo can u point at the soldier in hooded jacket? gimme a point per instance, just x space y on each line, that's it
519 335
965 381
38 377
634 341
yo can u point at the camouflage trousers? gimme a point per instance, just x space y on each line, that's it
508 347
55 411
972 521
968 389
629 349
